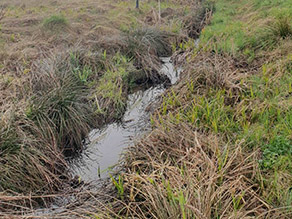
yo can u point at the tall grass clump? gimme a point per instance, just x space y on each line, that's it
270 36
282 27
154 39
60 105
55 23
30 163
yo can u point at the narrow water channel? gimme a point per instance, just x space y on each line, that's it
106 145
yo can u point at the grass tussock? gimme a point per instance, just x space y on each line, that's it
282 28
59 105
55 23
30 163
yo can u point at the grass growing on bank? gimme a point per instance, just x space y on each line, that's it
54 94
110 92
221 140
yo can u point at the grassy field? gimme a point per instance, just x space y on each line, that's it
221 140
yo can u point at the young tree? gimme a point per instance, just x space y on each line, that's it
159 10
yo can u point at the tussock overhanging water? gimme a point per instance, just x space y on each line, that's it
106 145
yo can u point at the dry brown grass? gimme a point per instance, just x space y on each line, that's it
26 40
195 22
184 172
30 163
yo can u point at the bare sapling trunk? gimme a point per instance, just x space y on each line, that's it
159 11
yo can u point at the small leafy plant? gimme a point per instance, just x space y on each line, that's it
275 152
81 72
119 184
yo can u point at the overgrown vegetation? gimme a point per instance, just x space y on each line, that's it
53 98
221 141
232 105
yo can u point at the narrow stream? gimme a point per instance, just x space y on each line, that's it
105 146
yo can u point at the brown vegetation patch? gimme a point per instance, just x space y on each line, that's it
195 175
196 21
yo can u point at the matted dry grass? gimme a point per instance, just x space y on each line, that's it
185 174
